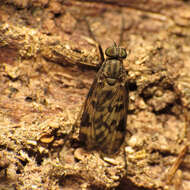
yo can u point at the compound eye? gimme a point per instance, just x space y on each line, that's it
111 51
122 53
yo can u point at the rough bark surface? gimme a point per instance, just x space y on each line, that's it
48 59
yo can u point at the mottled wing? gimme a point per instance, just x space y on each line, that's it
103 123
88 112
110 118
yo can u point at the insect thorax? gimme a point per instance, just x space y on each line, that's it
112 70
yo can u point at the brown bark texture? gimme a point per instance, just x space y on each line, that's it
48 60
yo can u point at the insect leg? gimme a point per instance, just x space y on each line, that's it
98 46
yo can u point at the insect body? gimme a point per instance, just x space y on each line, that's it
103 121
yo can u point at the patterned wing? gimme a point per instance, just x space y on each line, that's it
88 112
103 122
110 118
